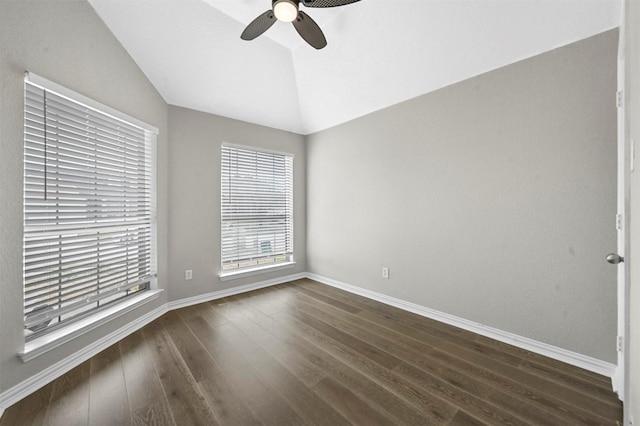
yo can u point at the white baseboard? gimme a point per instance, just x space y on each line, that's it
573 358
177 304
35 382
32 384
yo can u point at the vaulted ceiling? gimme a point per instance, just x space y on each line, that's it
379 52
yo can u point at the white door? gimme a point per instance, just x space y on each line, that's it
625 167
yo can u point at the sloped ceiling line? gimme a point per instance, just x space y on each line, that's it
379 52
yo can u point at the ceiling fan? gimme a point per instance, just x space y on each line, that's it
289 11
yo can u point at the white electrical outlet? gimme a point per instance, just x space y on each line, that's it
385 272
188 274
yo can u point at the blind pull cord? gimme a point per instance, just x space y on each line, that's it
45 146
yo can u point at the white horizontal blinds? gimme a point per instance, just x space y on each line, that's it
88 209
257 208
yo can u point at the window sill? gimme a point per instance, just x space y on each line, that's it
232 275
37 347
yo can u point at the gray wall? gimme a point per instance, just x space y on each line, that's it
194 191
632 132
493 199
66 42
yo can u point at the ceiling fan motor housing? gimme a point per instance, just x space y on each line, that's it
285 10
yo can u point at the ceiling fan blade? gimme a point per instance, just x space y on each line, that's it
259 25
309 31
327 3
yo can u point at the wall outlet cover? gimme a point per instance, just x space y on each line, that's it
385 272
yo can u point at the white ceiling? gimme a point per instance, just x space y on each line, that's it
379 52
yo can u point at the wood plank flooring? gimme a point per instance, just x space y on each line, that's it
304 353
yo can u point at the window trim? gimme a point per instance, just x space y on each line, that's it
247 272
50 341
231 274
97 317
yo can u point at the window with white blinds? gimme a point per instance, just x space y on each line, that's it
89 207
257 208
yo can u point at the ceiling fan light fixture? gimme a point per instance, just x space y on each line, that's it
285 10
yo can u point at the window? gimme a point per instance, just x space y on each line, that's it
257 208
89 206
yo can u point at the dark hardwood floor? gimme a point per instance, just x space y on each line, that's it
304 353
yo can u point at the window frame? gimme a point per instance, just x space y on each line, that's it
257 268
51 336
